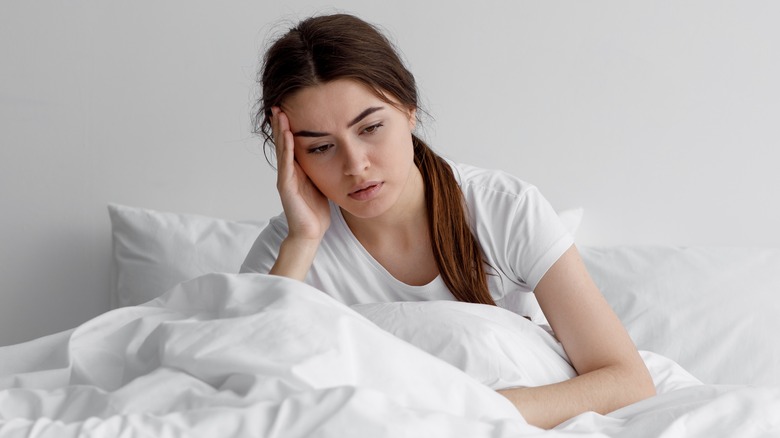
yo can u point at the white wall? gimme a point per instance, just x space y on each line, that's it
660 118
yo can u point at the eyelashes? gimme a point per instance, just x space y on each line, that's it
319 149
373 128
368 130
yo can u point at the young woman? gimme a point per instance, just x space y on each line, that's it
372 214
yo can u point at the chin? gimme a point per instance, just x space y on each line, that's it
364 213
364 210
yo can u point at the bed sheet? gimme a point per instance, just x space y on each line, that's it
711 309
714 310
255 355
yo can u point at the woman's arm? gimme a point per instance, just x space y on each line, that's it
295 258
611 372
306 209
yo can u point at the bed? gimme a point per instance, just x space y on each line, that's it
194 349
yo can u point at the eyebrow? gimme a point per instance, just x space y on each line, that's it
366 112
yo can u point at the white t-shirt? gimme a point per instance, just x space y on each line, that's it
520 234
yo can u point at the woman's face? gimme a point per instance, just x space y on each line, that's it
355 147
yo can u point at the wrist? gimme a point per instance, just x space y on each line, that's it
301 245
295 257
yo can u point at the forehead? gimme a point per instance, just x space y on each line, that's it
329 104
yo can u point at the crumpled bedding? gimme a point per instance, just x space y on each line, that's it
263 356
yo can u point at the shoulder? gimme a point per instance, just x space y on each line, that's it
264 250
478 183
504 207
520 232
275 231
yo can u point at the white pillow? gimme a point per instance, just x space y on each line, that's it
495 346
715 311
153 251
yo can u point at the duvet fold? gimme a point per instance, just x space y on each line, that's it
239 355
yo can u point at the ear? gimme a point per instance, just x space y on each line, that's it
412 119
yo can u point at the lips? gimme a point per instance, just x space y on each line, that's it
366 191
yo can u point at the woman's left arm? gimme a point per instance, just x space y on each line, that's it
611 372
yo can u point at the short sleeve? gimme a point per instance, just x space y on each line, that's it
538 238
520 233
265 250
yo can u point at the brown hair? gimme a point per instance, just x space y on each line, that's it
341 46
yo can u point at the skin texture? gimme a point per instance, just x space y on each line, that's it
340 151
611 372
336 138
344 137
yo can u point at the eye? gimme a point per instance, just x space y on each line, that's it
320 149
373 128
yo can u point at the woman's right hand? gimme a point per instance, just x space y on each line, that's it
306 208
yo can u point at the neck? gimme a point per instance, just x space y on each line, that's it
407 220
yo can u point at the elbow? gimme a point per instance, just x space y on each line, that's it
638 383
630 384
644 390
647 389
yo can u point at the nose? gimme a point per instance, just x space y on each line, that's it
355 159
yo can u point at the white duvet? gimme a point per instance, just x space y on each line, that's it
251 355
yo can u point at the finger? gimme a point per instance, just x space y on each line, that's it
282 127
279 128
273 118
288 148
286 159
284 122
275 127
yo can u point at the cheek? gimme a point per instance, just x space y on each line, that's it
318 172
309 167
403 148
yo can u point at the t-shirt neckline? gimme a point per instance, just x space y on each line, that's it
367 255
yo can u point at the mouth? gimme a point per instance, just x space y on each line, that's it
366 191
